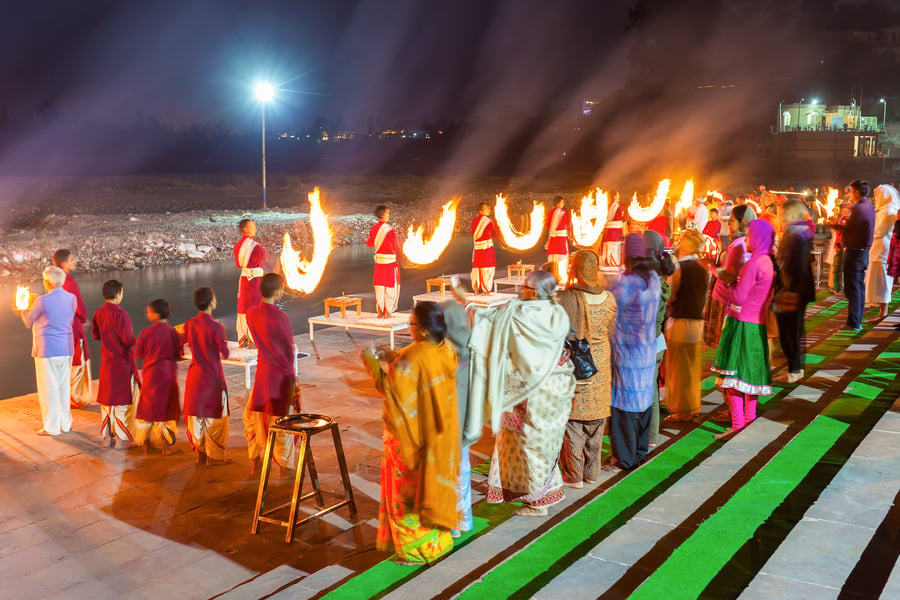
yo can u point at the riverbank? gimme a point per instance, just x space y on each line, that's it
126 223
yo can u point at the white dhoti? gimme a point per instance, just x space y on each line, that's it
243 331
208 436
158 433
80 380
52 375
878 284
611 254
386 299
118 422
256 430
483 279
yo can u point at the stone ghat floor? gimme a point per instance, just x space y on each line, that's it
798 505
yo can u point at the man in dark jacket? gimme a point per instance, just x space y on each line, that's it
857 240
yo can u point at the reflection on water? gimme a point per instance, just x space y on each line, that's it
349 270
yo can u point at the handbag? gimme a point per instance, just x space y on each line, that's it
580 355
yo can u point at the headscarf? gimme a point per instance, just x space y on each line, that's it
886 197
655 244
586 272
761 237
690 242
635 246
744 215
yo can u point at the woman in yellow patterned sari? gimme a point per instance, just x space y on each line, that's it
421 442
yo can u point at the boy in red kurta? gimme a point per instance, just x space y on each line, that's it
205 392
157 409
251 258
483 259
119 383
80 376
558 240
383 239
275 388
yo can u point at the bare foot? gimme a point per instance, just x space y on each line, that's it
215 462
531 511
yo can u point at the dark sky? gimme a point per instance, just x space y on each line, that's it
193 62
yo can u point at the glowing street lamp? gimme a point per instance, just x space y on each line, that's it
264 93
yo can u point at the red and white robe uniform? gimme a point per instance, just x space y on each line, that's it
251 258
80 375
558 242
205 391
386 280
611 248
484 261
119 384
273 385
158 408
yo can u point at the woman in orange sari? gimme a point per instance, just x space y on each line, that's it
421 458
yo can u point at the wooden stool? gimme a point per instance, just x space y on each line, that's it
518 270
303 426
441 282
343 302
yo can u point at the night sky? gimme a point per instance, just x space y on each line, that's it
683 79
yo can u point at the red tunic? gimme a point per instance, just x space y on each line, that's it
712 228
383 238
205 379
558 225
483 254
161 350
274 381
78 322
112 327
659 224
613 230
248 292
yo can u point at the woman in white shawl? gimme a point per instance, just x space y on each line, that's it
878 282
519 375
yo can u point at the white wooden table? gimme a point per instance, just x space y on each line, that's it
366 321
483 301
245 358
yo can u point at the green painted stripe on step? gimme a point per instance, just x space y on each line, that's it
562 539
385 574
694 563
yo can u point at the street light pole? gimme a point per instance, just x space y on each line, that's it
264 93
264 154
883 114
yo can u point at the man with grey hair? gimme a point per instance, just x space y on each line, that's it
50 320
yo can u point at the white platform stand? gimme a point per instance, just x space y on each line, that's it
366 321
242 357
483 301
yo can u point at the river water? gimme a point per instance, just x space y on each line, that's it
349 271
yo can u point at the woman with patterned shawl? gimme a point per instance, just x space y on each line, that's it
518 373
420 465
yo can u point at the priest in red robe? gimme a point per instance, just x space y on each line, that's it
80 375
383 239
119 383
158 410
205 391
484 261
611 245
558 241
276 391
251 258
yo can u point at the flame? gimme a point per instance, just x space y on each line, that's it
589 221
23 297
417 250
302 275
717 195
831 201
511 237
757 210
644 214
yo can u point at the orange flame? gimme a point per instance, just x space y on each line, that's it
23 297
644 214
589 221
687 196
420 252
717 195
757 210
302 275
511 237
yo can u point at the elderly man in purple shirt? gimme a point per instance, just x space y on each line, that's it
857 239
50 320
